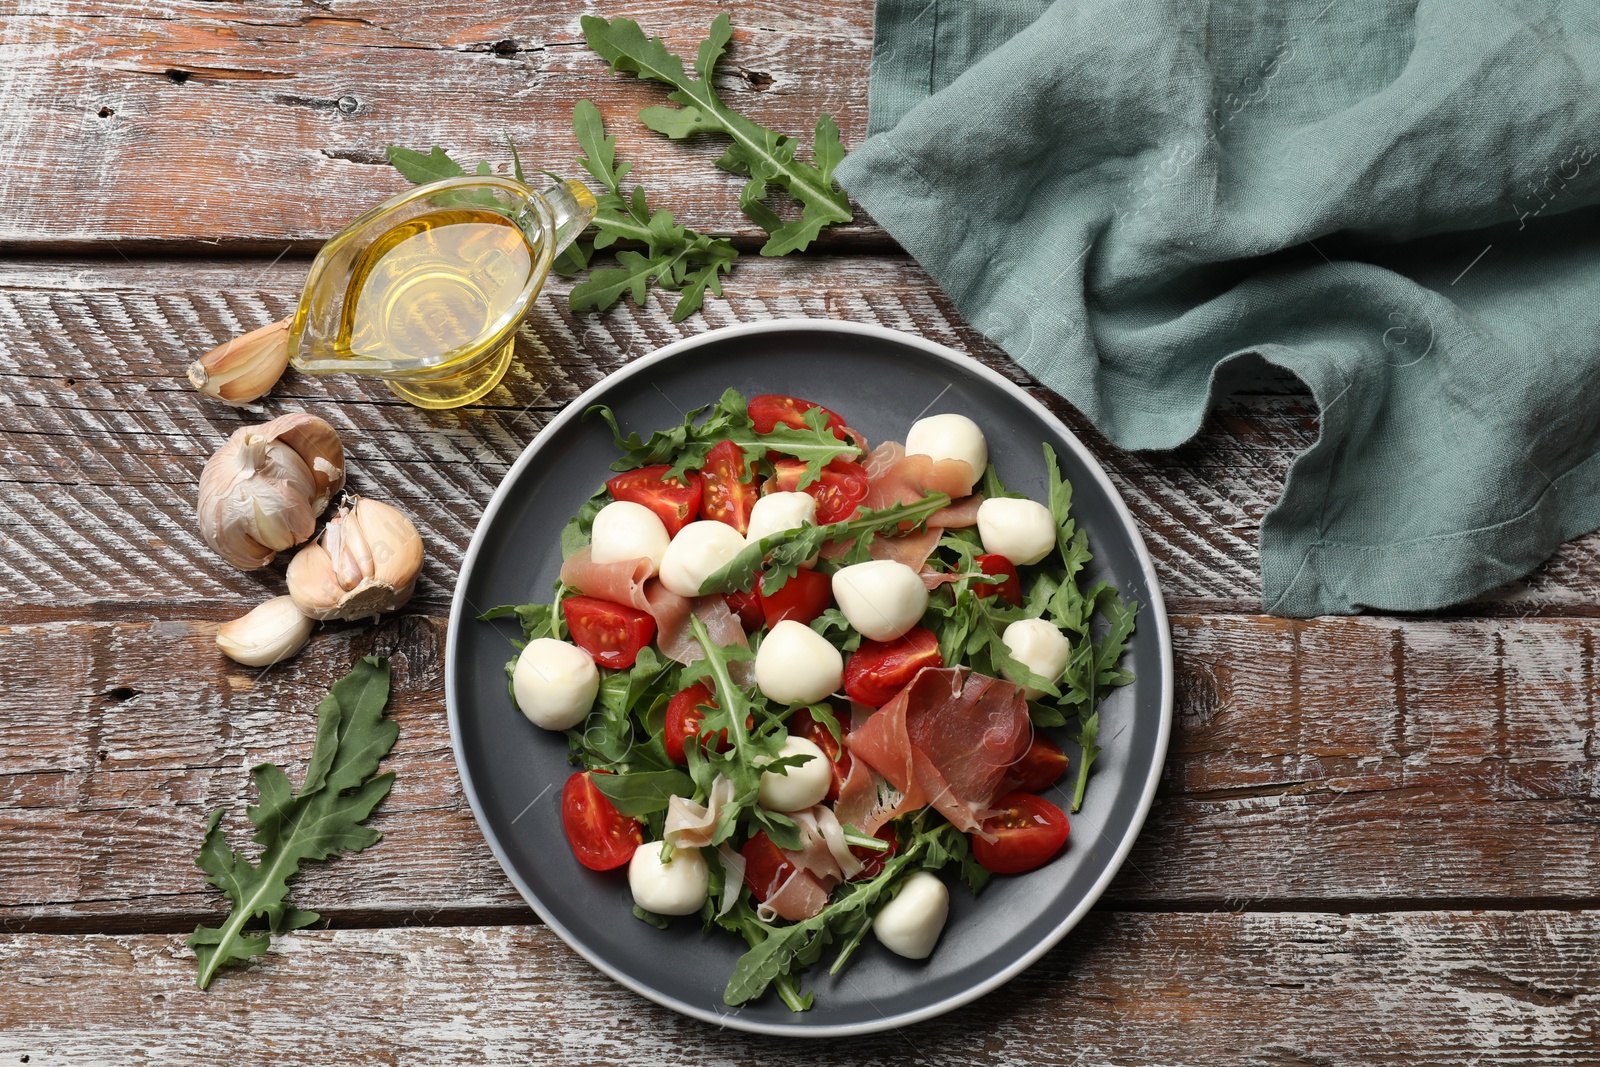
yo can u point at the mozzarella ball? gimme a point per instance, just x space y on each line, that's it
1022 531
700 550
949 437
625 530
881 598
1038 646
910 924
796 788
777 512
797 665
677 887
555 683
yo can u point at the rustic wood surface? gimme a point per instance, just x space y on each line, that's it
1375 839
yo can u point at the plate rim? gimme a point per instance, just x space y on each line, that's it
1158 617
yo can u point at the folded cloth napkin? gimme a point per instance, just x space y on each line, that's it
1141 199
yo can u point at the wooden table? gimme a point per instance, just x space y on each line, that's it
1375 839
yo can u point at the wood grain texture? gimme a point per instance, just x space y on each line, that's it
102 441
263 126
1355 762
1265 990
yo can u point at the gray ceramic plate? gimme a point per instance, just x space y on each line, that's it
880 381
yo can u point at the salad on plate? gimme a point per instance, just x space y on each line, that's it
803 679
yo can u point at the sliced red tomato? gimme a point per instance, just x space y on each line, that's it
766 868
684 718
728 490
772 409
1010 590
880 669
748 607
804 725
840 490
675 501
612 634
601 837
802 598
1039 768
872 861
1028 831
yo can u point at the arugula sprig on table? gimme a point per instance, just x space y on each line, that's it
325 817
674 256
764 156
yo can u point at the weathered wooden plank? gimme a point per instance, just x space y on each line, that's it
101 440
1426 988
1351 761
264 125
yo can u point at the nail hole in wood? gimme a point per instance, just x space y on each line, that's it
178 76
504 49
121 693
759 80
106 112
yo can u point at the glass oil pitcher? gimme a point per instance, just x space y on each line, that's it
426 290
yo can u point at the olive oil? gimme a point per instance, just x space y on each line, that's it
435 287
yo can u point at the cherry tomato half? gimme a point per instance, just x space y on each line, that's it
840 490
728 489
880 669
684 718
1039 768
802 598
612 634
1028 831
771 409
804 725
601 837
676 502
766 868
998 566
748 607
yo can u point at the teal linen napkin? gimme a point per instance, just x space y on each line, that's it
1141 199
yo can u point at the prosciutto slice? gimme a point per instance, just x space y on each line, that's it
946 739
896 478
621 582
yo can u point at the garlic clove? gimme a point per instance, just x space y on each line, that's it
269 633
264 488
245 368
365 563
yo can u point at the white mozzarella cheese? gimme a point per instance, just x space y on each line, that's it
1022 531
796 788
777 512
555 683
949 437
910 924
797 665
625 530
699 551
677 887
882 598
1038 646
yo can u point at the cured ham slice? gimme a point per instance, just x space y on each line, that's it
689 824
896 478
621 582
959 515
799 897
946 739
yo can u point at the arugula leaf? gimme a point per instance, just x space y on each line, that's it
575 534
782 553
1086 737
643 792
325 817
765 156
420 169
675 257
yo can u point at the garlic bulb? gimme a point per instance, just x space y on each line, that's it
365 563
245 368
263 490
271 632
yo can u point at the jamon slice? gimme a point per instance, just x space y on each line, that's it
946 739
896 478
